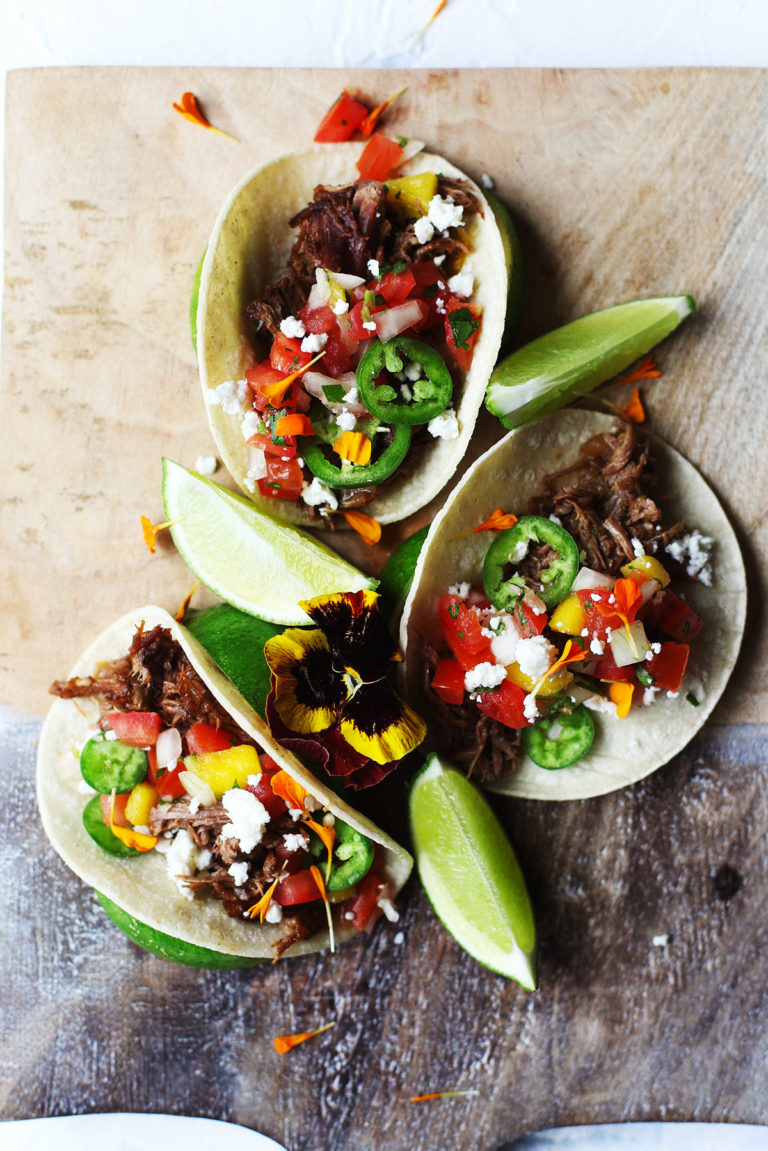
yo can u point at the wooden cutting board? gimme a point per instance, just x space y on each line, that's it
650 901
624 184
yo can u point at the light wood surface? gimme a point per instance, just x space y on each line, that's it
624 184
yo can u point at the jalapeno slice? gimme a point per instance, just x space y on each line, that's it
500 583
94 824
561 739
351 858
108 765
357 475
428 397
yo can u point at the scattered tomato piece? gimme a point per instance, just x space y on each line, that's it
379 156
342 119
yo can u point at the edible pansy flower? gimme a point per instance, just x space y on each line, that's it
330 698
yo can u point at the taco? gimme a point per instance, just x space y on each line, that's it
208 842
558 656
346 331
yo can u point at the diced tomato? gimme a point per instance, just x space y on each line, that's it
528 622
672 615
262 789
505 704
396 286
151 764
284 479
337 358
269 765
292 861
119 817
667 668
379 156
342 119
204 737
597 624
607 669
285 450
356 322
448 681
286 355
425 274
298 888
136 728
317 320
462 327
462 629
259 374
369 891
168 783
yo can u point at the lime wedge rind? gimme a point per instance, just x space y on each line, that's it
573 360
470 873
258 564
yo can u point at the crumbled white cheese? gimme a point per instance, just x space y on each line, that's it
314 342
183 857
239 872
257 469
600 703
649 695
293 328
655 648
423 230
505 643
389 909
234 399
693 551
194 806
439 259
660 940
597 647
340 308
412 371
462 284
317 493
294 842
252 425
369 325
249 817
274 913
206 465
519 551
346 421
373 268
484 677
398 938
351 396
444 214
406 393
487 182
637 547
445 426
534 656
530 708
459 589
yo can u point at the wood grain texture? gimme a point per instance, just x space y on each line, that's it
624 184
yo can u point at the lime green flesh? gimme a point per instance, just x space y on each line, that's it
575 359
250 560
396 576
167 946
193 301
514 262
471 874
235 641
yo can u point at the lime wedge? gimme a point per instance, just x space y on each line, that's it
573 360
235 641
254 562
194 300
471 874
396 577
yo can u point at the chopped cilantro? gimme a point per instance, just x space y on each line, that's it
644 677
334 393
429 291
402 141
692 699
463 327
453 611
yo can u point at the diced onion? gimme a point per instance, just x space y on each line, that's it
390 322
410 149
257 464
625 650
320 294
197 788
168 747
587 578
345 280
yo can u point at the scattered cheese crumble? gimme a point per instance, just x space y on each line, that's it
234 399
206 465
484 677
317 493
293 328
693 551
534 656
249 817
445 426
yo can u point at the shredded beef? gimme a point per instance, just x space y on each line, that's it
600 500
342 229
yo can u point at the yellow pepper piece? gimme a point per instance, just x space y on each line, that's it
140 802
412 193
221 770
550 686
648 566
569 616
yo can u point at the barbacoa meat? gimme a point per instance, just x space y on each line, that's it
341 230
600 500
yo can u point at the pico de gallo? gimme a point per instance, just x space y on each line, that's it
369 335
172 773
572 619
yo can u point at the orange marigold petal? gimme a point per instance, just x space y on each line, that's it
149 531
621 694
184 605
284 1043
634 410
355 447
289 790
373 117
294 424
365 526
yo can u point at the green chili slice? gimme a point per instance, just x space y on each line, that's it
351 858
316 457
94 824
501 583
108 765
428 397
575 731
